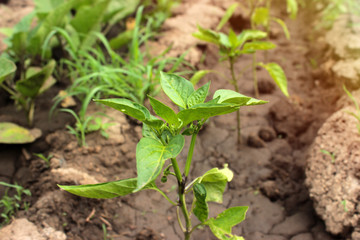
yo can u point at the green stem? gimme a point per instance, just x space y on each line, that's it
11 92
176 170
182 201
190 155
256 89
31 112
186 214
234 83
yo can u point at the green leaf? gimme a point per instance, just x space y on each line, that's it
229 96
30 87
258 45
11 133
207 35
178 89
43 7
121 39
250 35
229 12
105 190
87 19
233 39
151 155
224 40
205 111
199 95
164 111
7 31
278 75
7 68
292 8
198 76
201 209
50 81
215 181
119 9
283 26
260 16
128 107
55 18
221 226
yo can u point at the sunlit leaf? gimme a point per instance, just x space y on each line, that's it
260 16
199 95
178 89
278 75
229 12
105 190
283 26
221 226
11 133
164 111
292 8
151 155
258 45
128 107
229 96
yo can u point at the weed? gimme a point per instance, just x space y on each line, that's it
165 140
10 205
46 159
332 155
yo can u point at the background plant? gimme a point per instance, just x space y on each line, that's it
11 204
24 91
165 140
232 46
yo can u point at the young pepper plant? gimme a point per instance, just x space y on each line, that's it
233 46
165 140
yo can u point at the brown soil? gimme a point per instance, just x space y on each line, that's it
269 166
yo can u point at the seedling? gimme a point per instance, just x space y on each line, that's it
10 205
233 46
45 159
354 114
165 140
343 203
332 155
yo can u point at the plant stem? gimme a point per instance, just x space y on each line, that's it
182 201
176 170
185 212
256 89
234 83
31 112
190 155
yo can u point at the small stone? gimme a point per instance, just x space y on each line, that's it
255 141
270 189
267 134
